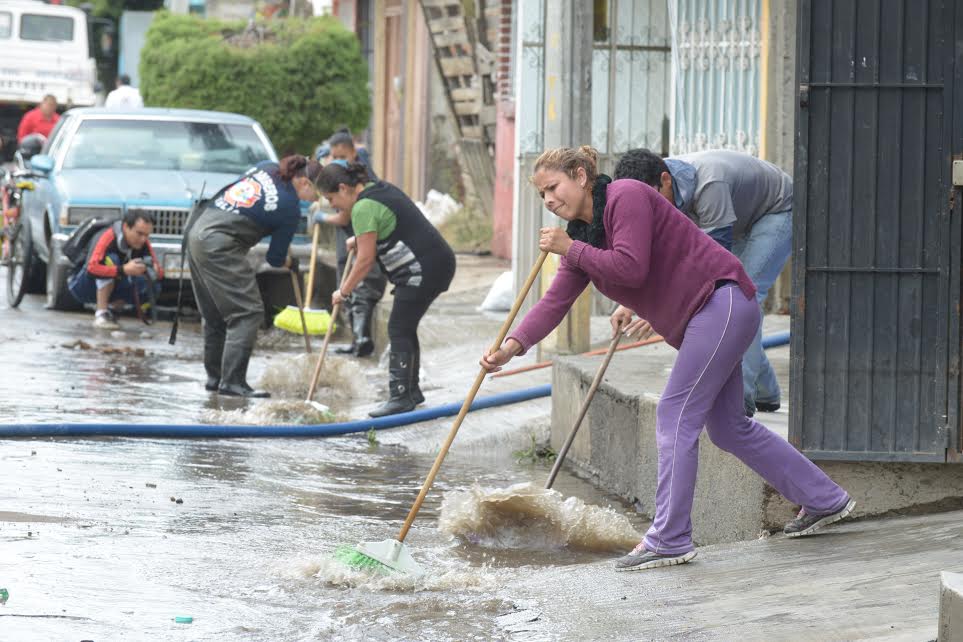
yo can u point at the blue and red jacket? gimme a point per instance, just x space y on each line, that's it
110 243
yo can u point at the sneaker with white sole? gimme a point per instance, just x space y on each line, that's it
105 320
640 559
806 524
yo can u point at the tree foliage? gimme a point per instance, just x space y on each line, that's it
300 78
106 12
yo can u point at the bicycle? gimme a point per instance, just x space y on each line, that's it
16 245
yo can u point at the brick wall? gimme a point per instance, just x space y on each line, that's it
498 23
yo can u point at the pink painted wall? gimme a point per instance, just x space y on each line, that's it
500 24
504 180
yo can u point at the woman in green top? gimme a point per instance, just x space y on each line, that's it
390 229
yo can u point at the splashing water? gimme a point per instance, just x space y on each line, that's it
287 380
341 379
275 412
528 517
333 573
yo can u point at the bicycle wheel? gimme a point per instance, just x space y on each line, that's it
6 228
21 259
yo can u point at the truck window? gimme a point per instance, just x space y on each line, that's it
6 24
46 28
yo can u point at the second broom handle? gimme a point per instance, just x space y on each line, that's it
470 398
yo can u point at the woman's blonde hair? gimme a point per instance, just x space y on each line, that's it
568 160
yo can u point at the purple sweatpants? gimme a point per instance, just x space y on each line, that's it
705 389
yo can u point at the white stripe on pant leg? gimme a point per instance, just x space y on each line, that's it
682 412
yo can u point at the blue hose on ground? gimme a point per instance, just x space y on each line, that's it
317 430
775 340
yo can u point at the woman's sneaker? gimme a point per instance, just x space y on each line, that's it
640 559
806 524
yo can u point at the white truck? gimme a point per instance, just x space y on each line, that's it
44 49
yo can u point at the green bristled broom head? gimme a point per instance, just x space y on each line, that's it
386 557
289 319
356 560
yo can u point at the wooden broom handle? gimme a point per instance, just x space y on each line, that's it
327 335
581 412
470 398
297 297
315 236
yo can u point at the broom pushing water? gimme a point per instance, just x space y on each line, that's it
392 554
529 517
304 319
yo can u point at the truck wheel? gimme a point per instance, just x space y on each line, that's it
58 295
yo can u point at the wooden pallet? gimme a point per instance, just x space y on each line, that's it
462 63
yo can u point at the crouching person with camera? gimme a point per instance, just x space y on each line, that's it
121 268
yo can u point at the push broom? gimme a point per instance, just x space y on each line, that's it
297 319
392 554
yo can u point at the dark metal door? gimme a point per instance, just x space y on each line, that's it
875 327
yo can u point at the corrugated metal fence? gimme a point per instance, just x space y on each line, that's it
876 340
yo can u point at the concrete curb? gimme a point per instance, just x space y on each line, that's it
951 607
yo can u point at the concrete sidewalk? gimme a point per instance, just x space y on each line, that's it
865 579
875 579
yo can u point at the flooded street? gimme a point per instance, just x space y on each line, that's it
113 538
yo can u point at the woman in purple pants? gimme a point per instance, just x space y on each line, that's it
641 252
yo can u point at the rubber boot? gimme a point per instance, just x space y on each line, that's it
234 376
360 312
399 386
416 394
363 312
213 352
351 348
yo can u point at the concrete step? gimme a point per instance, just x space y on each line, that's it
951 607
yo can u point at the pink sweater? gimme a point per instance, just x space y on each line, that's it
655 261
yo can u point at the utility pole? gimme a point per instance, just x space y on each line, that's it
568 123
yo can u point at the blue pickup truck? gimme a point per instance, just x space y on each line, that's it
103 163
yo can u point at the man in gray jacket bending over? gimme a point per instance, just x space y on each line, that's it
745 204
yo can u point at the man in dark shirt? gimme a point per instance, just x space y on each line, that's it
120 268
745 204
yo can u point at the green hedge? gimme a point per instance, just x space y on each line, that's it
301 79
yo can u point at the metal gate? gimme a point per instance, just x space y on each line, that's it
875 328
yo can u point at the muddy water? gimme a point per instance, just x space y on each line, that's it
245 553
110 539
526 516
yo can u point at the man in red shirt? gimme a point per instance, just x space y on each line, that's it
39 120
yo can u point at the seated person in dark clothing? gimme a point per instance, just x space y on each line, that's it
120 268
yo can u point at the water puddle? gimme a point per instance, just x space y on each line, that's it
115 538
